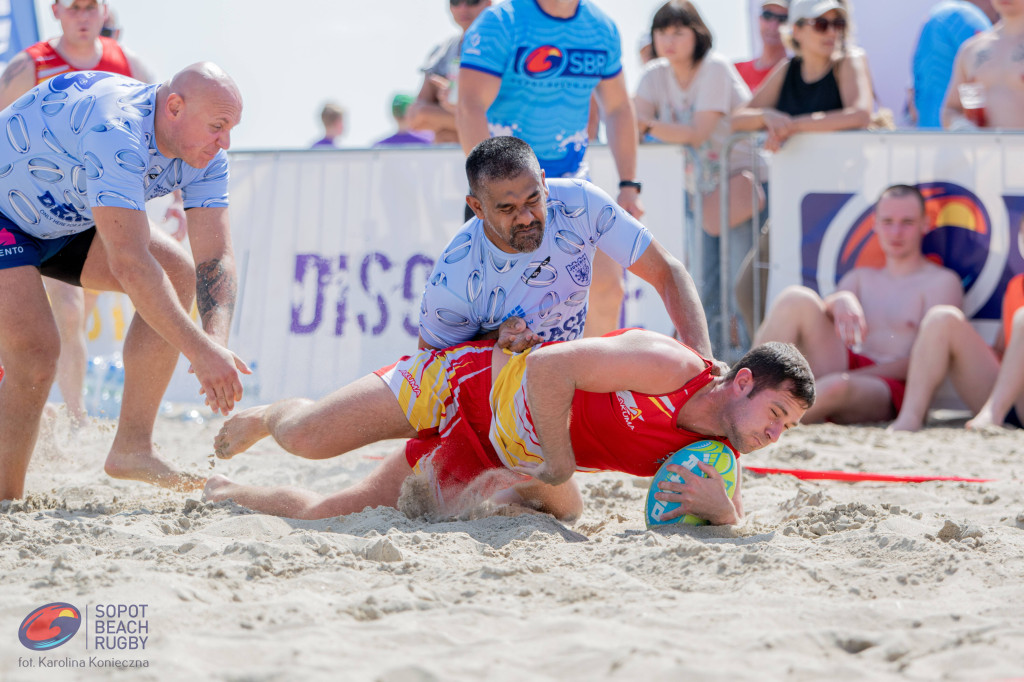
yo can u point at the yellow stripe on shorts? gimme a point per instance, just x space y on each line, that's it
512 433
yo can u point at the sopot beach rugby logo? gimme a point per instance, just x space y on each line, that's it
50 626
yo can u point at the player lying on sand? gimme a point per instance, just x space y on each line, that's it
622 402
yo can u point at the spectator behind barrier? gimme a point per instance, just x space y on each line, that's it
333 118
774 15
990 61
858 339
989 379
434 108
950 23
820 89
400 112
687 96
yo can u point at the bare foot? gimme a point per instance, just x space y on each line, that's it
149 468
983 422
218 488
904 424
241 432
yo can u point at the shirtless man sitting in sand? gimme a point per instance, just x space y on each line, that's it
622 402
858 339
990 380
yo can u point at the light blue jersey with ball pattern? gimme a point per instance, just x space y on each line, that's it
475 285
84 139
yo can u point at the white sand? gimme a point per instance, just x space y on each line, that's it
822 581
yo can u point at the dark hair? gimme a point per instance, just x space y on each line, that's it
499 158
682 13
773 364
899 191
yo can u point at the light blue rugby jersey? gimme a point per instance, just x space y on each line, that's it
475 285
84 139
548 69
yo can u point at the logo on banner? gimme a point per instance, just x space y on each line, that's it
959 238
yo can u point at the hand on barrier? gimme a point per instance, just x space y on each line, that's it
514 335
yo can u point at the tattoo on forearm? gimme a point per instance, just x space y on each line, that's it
215 289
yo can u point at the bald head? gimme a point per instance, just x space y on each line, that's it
205 79
196 111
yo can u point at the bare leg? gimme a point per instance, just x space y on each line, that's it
149 362
380 489
798 316
564 501
68 304
29 346
850 398
945 345
1009 383
606 292
361 413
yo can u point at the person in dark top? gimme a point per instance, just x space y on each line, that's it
820 89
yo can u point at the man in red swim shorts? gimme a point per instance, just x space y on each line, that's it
622 402
858 338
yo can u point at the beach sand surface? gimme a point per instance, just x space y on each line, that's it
822 580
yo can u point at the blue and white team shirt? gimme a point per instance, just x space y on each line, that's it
475 285
84 139
548 68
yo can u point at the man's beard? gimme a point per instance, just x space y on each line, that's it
524 239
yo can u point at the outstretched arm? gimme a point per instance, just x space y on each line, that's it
673 283
620 120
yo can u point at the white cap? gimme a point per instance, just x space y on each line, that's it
812 9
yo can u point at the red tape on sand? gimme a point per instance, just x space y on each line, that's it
807 475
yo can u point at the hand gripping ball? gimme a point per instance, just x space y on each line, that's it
712 452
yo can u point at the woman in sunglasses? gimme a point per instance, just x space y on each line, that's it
821 89
687 96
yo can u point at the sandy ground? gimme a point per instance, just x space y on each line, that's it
823 580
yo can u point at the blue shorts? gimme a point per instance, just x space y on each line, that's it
60 258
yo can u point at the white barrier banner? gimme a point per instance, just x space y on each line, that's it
823 189
334 248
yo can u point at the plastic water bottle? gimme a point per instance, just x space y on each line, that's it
104 386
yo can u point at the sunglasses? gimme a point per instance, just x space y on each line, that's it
768 15
821 24
468 3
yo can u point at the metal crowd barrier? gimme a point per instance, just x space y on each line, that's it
726 287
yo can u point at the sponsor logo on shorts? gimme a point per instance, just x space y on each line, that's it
50 626
580 270
6 238
412 382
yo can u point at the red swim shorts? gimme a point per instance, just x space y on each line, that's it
897 387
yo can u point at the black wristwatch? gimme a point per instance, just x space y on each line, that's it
631 183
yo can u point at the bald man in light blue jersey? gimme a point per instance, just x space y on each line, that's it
528 69
82 153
